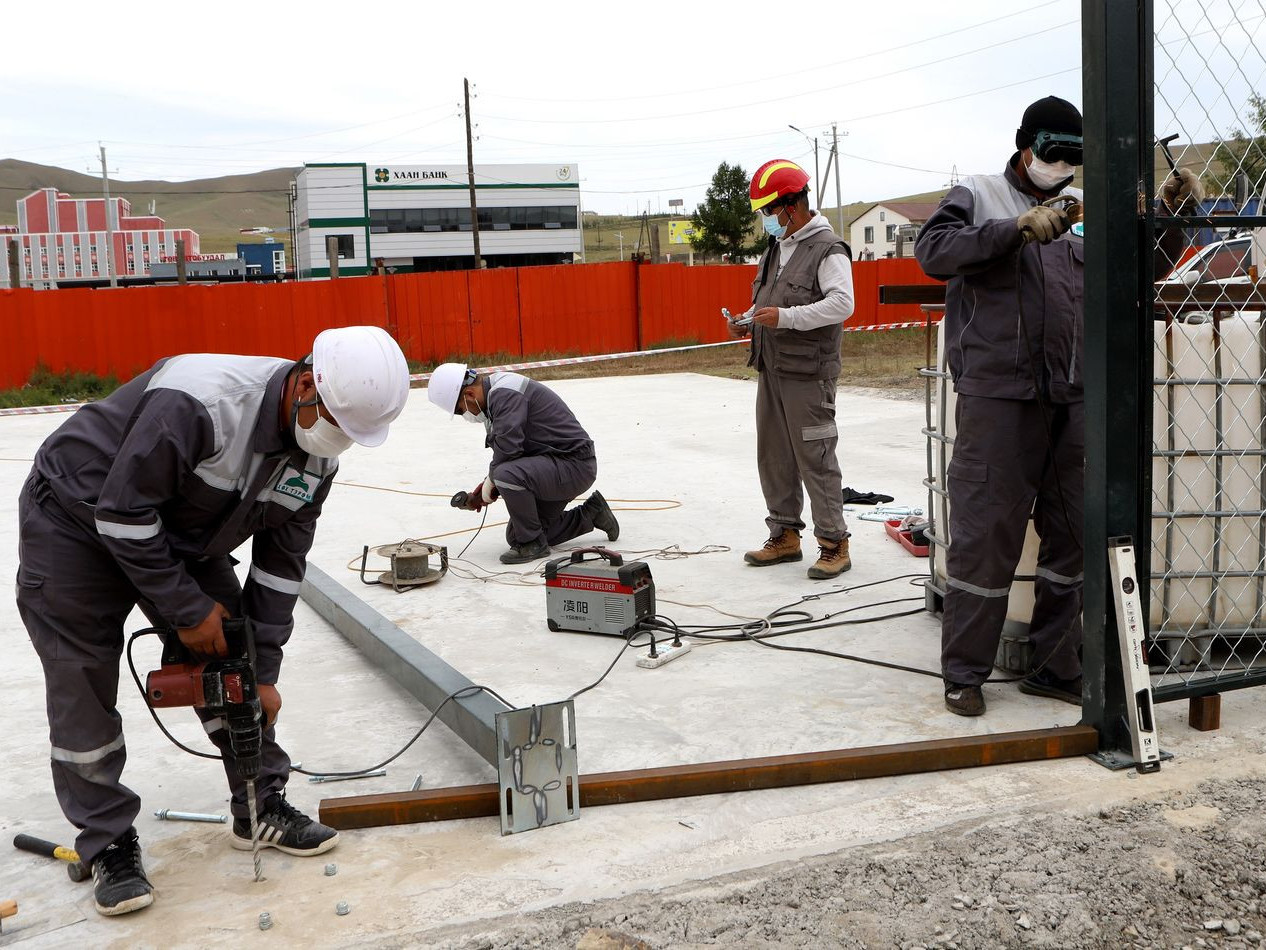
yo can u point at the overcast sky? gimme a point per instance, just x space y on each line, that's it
646 98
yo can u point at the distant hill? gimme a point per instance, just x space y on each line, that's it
217 208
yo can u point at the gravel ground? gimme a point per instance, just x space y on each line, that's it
1188 870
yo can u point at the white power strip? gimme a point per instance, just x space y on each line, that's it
663 654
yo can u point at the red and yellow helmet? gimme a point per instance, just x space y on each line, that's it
776 179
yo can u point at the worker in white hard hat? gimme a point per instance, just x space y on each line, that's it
541 458
140 498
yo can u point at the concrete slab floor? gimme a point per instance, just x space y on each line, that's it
684 438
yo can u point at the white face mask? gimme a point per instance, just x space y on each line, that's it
1050 176
472 416
324 440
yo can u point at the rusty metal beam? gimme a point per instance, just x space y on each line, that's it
740 775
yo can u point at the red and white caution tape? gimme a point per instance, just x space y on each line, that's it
513 367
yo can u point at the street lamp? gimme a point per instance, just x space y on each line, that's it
620 235
814 141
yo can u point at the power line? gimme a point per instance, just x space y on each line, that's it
781 76
796 95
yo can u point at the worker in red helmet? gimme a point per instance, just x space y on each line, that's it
802 295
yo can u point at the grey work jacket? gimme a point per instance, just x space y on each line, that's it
187 461
796 354
972 241
527 418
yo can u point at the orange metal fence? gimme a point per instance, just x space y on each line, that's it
585 309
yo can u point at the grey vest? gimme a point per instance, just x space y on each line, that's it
796 354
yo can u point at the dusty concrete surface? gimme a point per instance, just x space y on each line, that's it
685 439
1185 870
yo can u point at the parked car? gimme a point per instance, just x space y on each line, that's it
1223 262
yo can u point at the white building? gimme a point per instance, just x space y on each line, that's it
873 233
417 217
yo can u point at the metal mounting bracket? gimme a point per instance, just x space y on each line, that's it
537 766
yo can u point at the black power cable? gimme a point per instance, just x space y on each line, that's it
456 694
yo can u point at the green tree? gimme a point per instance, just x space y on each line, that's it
1242 152
726 215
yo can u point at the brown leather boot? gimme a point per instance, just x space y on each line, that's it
783 547
833 560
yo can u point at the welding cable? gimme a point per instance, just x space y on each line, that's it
482 521
456 694
155 631
628 642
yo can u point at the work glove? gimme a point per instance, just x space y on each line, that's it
485 493
1042 224
488 491
475 498
1182 190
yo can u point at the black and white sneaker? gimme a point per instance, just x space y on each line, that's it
284 827
119 883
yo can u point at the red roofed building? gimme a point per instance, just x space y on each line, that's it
873 233
64 239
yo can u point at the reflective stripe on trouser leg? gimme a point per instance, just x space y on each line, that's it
998 458
218 579
1055 630
796 444
274 764
73 600
536 490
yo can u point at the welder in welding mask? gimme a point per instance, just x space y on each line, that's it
1013 331
542 458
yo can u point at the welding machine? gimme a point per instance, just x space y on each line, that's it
597 595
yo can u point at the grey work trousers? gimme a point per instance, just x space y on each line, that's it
536 490
796 440
74 600
1003 468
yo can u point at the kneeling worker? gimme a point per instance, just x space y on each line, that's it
141 498
541 458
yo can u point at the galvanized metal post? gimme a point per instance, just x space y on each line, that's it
1117 100
426 677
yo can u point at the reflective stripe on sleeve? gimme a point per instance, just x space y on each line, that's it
129 532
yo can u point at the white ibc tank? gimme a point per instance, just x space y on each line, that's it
1191 414
1020 604
1224 422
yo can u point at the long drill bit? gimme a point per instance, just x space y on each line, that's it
254 813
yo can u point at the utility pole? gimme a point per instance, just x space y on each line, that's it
470 175
109 213
15 262
816 176
839 202
620 235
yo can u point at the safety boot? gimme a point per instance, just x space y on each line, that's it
833 560
603 518
782 547
964 700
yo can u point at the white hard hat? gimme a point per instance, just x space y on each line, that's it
447 382
362 379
